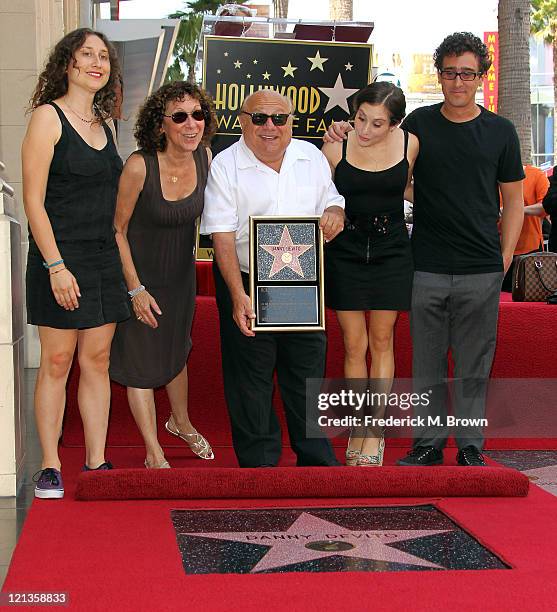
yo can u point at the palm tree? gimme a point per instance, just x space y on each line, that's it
185 47
280 8
514 70
340 10
544 23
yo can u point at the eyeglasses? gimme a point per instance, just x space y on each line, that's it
181 116
278 119
465 75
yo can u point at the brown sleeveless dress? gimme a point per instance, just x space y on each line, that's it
161 235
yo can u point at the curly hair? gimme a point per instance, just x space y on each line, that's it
148 132
53 80
460 43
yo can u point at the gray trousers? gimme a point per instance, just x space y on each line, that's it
457 312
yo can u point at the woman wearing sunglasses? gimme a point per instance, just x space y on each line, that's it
369 265
159 198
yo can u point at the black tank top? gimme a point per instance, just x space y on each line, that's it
82 186
370 193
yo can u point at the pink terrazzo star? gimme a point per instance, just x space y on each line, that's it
291 546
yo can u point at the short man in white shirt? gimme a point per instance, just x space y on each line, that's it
266 173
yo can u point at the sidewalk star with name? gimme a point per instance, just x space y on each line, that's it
310 537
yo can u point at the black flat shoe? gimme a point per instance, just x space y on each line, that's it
470 455
422 455
103 466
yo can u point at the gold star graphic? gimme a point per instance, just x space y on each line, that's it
266 75
248 76
237 64
289 70
348 66
226 54
317 62
218 70
255 61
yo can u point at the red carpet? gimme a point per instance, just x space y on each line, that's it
123 555
519 354
292 482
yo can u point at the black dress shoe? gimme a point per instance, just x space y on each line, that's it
103 466
422 455
470 455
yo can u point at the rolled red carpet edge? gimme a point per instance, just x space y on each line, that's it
299 482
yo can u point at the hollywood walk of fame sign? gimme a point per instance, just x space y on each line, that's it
272 540
319 77
286 274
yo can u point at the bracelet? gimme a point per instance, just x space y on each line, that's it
136 291
56 271
53 264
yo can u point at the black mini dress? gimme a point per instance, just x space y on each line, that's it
80 201
368 266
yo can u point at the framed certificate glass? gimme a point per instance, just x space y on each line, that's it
286 274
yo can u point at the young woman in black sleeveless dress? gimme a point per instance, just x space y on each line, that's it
368 267
159 199
75 288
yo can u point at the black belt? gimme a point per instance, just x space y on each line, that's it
374 224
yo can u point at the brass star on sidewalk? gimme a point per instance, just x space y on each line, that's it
317 62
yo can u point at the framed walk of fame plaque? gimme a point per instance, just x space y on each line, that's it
286 274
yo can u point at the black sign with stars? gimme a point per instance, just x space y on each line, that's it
319 77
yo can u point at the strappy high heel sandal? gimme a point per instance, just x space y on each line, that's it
373 460
162 466
197 443
352 456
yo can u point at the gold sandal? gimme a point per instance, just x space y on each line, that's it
197 443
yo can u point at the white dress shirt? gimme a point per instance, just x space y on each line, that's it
239 186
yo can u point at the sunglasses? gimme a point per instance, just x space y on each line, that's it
181 116
279 119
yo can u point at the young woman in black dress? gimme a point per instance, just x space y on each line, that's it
75 287
369 265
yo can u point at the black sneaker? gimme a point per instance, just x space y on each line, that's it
470 455
49 484
103 466
422 455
